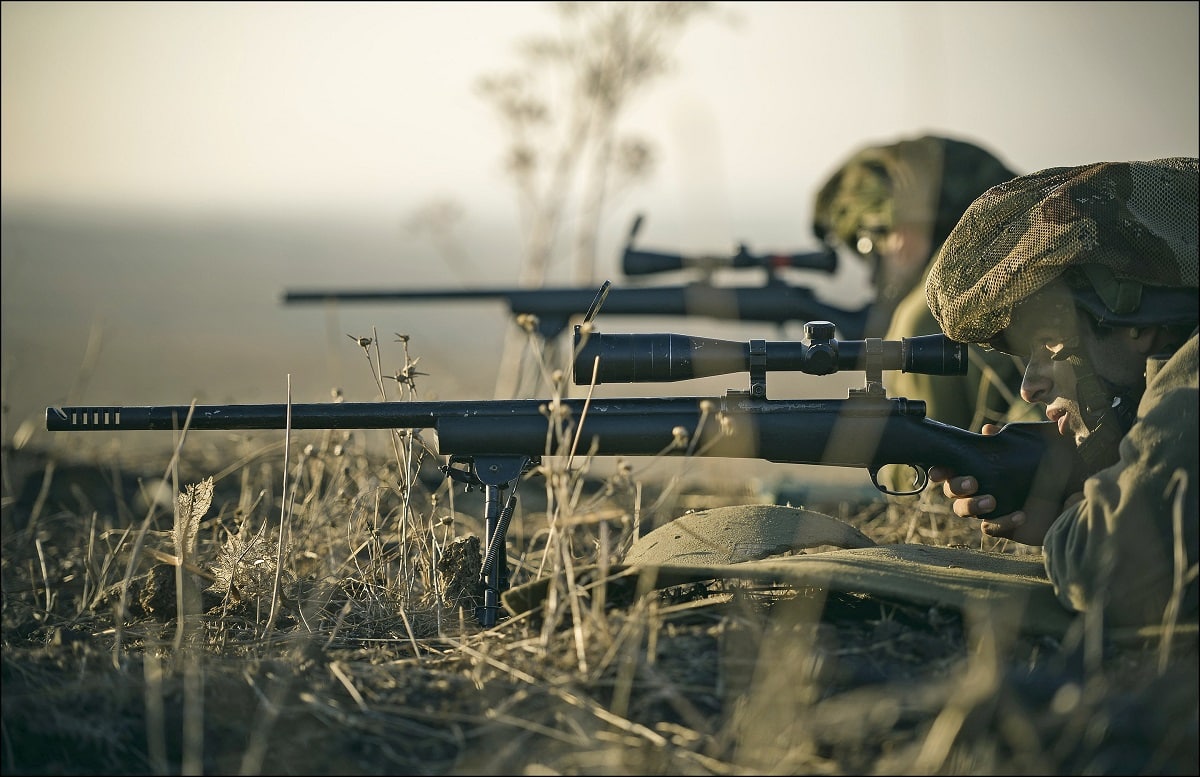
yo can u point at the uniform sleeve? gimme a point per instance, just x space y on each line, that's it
1129 543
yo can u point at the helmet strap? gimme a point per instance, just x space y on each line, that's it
1107 416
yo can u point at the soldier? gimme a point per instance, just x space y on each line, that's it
894 204
1090 273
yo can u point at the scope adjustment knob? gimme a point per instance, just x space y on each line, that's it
819 330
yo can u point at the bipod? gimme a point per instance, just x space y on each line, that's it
495 475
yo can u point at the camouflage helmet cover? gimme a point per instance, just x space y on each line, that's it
1119 225
925 182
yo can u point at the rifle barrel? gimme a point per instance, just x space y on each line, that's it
324 415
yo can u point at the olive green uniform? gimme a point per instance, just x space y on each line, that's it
1138 514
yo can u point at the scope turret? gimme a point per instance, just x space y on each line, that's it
655 358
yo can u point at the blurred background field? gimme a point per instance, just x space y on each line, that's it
170 169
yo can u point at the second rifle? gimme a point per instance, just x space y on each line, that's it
775 301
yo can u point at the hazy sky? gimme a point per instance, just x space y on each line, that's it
371 107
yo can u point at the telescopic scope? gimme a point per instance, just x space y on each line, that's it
662 358
635 261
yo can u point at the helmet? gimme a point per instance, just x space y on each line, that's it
1121 235
925 182
1116 240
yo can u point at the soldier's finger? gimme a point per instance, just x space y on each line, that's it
959 487
938 474
998 529
1003 527
974 506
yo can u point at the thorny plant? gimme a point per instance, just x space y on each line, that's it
333 634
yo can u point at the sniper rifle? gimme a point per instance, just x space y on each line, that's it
775 301
492 443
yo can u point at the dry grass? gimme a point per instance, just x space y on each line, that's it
324 629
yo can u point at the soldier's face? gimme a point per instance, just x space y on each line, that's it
1061 349
902 254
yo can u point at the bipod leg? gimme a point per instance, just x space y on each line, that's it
496 474
495 557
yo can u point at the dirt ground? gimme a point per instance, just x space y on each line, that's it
320 643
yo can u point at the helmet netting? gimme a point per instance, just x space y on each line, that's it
922 183
1137 219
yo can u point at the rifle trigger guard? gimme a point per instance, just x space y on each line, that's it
920 480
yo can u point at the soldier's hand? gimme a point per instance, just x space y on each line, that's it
1027 526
